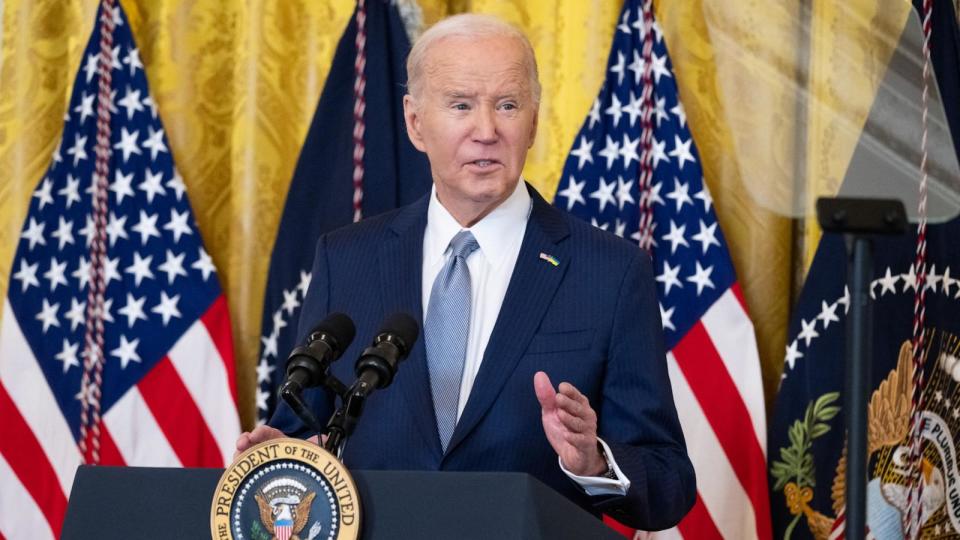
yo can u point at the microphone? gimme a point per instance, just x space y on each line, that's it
378 364
307 365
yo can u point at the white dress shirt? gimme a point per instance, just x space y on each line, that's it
499 234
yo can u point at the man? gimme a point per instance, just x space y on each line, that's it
510 292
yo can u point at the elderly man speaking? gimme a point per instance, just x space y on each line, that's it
512 294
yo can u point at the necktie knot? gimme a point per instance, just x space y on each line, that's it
463 244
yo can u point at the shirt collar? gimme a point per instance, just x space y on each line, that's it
493 233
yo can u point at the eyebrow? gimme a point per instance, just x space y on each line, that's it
460 94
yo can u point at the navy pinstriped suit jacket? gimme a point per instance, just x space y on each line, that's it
592 321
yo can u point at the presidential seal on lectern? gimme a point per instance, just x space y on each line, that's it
285 489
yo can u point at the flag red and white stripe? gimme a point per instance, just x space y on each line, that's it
715 375
181 414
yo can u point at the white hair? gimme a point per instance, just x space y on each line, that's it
468 25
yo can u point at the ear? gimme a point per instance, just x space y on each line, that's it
411 117
533 127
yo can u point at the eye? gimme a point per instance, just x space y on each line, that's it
461 107
509 106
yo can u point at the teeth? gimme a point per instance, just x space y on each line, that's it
483 162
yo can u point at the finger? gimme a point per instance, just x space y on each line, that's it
571 391
258 435
573 423
577 407
243 441
546 395
572 406
580 440
265 433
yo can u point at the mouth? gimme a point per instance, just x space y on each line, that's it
484 163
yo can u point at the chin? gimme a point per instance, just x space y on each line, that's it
497 192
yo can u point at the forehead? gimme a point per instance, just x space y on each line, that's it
477 64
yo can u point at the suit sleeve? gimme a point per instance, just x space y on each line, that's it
315 307
637 415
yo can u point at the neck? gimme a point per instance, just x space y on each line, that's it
469 213
468 217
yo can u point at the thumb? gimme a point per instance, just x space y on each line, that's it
546 394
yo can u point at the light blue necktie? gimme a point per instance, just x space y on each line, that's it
446 330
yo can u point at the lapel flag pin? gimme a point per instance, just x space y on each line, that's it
549 258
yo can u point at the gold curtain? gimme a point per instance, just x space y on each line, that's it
237 84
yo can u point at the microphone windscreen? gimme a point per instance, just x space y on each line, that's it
338 326
403 326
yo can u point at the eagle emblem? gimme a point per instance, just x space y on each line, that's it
285 509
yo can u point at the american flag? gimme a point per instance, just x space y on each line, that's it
712 357
167 395
357 132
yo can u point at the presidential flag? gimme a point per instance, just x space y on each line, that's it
357 161
634 171
807 436
115 343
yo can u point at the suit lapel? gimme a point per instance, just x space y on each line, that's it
401 277
532 286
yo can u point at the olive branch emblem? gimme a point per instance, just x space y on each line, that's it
794 471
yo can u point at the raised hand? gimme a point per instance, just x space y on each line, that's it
570 424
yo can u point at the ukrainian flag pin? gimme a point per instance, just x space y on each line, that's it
549 258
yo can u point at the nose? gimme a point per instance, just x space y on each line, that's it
485 128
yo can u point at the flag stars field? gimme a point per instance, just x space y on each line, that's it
68 355
70 192
573 192
634 109
64 233
178 224
126 352
151 186
121 185
146 227
55 274
42 194
85 108
27 275
128 143
604 194
133 309
48 315
140 269
167 307
676 236
173 266
34 234
204 264
583 152
132 104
